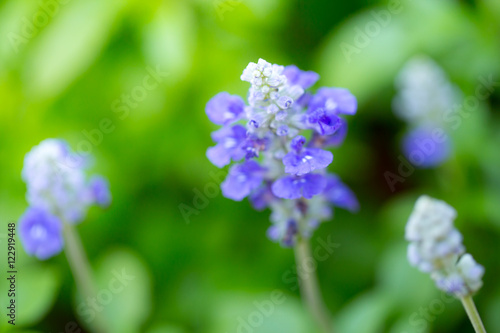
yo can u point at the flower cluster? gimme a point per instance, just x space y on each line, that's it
424 96
436 247
279 167
57 192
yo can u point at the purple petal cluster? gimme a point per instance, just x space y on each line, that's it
424 97
276 166
41 233
58 192
423 150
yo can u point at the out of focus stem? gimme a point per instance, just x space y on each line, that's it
474 317
81 270
309 287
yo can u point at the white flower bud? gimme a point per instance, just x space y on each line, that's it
435 246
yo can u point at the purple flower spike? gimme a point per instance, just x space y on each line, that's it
287 233
291 187
290 233
41 233
57 185
297 143
254 145
277 114
230 145
324 123
340 194
224 108
307 161
334 101
273 233
262 197
301 78
423 151
302 161
99 188
242 179
334 140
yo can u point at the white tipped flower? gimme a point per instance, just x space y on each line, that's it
272 98
424 92
430 218
269 85
471 272
435 247
57 183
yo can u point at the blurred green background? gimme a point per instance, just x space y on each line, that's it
66 65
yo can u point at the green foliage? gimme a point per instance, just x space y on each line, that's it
203 273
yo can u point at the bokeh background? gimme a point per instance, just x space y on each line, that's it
204 273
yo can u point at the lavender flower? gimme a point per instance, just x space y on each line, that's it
283 170
420 148
57 192
224 108
242 179
99 188
436 248
424 96
230 141
41 233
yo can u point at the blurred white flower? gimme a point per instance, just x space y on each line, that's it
435 247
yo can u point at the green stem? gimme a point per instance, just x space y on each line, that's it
80 268
309 288
474 317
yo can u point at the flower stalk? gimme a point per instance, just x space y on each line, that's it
80 267
436 248
309 287
474 317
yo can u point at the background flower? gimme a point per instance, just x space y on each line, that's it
127 83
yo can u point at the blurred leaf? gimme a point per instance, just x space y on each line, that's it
13 27
69 45
366 313
239 312
395 274
490 316
365 54
403 326
170 39
166 329
124 294
37 287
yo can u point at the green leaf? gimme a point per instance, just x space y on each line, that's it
166 329
37 287
365 54
264 313
169 39
123 299
367 314
69 45
15 31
